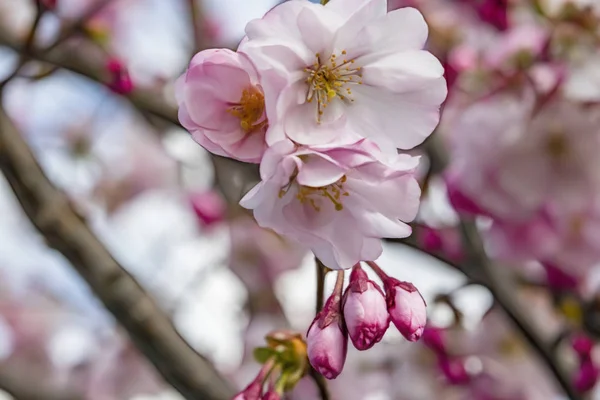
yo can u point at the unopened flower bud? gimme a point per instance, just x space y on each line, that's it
583 346
586 376
208 206
365 310
49 4
120 81
407 308
327 340
454 370
271 395
434 339
252 392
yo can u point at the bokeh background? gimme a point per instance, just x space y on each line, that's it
166 210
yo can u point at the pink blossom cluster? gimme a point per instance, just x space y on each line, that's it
521 125
363 312
322 96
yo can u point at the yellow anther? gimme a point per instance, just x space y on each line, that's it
330 79
250 110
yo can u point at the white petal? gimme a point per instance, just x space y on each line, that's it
407 71
317 29
405 119
318 171
400 30
364 10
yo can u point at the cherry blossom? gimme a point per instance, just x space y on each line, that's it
337 200
347 62
222 105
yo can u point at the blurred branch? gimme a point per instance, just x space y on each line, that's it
29 43
73 27
151 102
198 25
500 287
22 385
66 231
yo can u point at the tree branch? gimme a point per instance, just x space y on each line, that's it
66 231
149 101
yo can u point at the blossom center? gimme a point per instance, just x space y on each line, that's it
331 78
313 196
250 110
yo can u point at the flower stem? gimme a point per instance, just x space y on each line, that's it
382 275
339 285
321 272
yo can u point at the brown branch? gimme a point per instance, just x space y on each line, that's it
198 24
66 231
319 379
73 27
149 101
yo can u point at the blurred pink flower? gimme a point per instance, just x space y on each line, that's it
209 207
348 61
120 81
586 376
222 105
365 311
454 370
339 200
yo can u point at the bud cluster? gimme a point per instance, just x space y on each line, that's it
587 373
363 312
284 364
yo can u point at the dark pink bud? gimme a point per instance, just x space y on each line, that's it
208 206
583 346
365 310
119 81
49 4
407 308
454 370
586 377
559 280
252 392
494 12
461 202
434 339
429 239
271 395
327 340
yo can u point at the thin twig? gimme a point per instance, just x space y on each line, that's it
76 26
29 43
321 273
65 230
197 20
317 377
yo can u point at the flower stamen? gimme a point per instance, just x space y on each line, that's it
328 80
250 110
333 193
